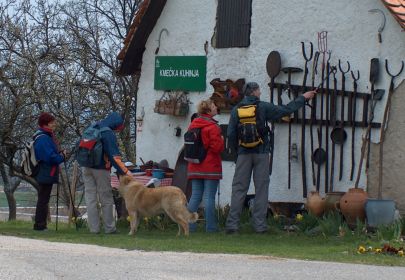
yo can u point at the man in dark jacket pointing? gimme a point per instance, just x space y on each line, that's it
254 156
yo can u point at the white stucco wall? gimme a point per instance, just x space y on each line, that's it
276 25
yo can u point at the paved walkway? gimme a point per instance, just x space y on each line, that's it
36 259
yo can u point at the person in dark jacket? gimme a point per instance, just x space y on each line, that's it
255 159
97 180
49 157
205 176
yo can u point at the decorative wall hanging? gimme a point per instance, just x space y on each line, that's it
172 103
227 93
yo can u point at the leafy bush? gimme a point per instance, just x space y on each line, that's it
390 232
330 224
307 223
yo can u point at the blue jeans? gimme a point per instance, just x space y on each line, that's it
204 188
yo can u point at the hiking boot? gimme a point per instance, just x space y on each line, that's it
231 231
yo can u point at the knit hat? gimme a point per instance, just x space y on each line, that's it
45 119
249 88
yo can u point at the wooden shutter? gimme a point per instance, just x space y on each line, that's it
233 23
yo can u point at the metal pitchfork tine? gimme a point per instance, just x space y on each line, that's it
393 76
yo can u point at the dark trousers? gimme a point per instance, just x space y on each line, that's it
41 212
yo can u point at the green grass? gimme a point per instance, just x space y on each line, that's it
275 243
29 199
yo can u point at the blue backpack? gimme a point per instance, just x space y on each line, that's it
90 149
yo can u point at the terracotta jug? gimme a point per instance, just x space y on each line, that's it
315 204
332 201
352 205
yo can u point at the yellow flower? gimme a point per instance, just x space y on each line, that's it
129 218
378 250
73 219
299 217
361 250
401 253
369 249
276 216
145 219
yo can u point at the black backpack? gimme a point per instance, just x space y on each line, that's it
194 150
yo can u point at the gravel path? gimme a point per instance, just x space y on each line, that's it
36 259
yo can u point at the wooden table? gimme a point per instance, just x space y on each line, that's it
142 179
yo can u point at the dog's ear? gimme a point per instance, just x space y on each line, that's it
125 179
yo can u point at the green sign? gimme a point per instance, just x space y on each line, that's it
180 73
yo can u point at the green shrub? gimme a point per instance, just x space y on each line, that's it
390 232
307 223
330 224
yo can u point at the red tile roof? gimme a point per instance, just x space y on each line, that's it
397 9
137 20
134 44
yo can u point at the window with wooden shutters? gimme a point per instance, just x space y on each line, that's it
233 24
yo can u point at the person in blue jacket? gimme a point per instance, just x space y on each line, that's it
49 157
97 180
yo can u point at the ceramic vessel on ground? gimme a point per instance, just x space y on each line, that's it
315 204
332 201
352 205
379 212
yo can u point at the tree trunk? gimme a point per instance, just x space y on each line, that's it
9 188
12 205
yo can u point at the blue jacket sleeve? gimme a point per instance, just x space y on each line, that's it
46 151
110 147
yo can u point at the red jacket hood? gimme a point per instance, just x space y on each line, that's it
203 121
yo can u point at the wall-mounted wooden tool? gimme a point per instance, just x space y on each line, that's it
352 116
304 87
289 71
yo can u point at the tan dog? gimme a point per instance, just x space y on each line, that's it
147 202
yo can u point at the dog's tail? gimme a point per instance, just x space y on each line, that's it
193 217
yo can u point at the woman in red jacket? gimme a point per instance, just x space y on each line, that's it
205 176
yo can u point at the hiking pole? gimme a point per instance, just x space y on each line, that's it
57 205
71 196
219 193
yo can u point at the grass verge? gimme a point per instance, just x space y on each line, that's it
276 243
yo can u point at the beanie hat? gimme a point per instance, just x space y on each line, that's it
249 88
45 119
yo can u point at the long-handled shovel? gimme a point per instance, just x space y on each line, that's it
303 118
385 123
289 71
352 116
273 66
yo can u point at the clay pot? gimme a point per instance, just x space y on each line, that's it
352 205
315 204
332 201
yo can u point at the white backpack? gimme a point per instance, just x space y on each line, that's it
29 163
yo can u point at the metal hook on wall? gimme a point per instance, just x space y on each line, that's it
382 25
160 37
